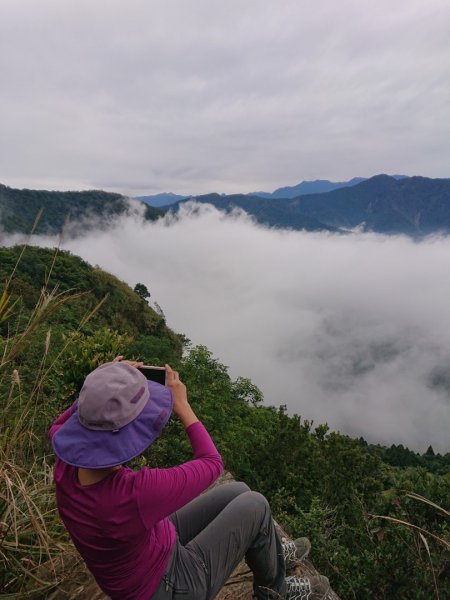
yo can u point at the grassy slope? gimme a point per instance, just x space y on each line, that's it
124 310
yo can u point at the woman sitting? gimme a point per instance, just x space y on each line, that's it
148 534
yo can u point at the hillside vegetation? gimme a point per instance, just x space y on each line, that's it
377 530
19 208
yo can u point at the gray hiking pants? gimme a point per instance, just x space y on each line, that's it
214 533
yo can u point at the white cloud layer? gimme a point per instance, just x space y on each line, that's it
350 330
197 96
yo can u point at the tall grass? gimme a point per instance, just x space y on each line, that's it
424 535
36 556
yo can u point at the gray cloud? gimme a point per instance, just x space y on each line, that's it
351 330
201 95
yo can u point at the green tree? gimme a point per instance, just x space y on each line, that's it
142 291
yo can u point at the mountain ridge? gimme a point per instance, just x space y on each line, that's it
317 186
162 199
414 206
19 208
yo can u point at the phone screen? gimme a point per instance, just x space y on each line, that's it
157 374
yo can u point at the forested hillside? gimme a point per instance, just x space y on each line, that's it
19 208
415 206
60 318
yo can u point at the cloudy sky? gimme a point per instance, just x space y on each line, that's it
193 96
350 330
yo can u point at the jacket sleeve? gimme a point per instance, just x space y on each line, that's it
160 492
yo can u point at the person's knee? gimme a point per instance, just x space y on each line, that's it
257 500
256 506
239 487
230 491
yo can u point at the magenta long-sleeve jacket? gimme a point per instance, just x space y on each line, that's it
120 524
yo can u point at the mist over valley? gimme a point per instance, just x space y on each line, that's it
351 330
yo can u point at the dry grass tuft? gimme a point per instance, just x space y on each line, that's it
37 560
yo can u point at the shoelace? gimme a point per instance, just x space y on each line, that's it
299 586
289 550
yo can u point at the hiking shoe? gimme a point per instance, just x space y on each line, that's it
295 551
306 588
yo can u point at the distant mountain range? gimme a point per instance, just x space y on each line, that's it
415 206
163 199
319 186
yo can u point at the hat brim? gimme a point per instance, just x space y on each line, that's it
79 446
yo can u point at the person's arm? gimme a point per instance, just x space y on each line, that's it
163 491
181 406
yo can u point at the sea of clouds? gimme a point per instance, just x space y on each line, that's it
352 330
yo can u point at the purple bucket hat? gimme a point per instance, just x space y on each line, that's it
118 415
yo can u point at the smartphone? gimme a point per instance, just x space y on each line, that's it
157 374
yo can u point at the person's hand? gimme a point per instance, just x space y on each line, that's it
133 363
181 406
178 389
